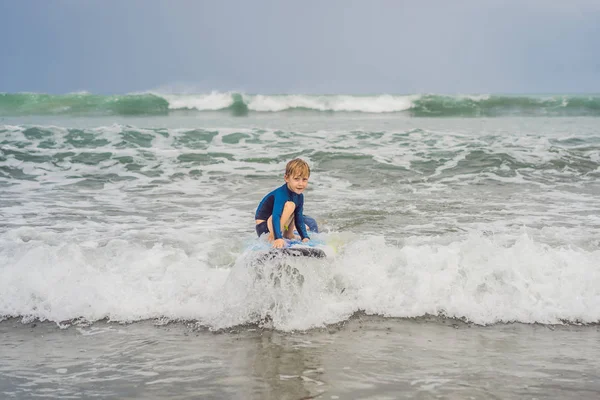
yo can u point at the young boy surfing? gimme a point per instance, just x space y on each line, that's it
280 212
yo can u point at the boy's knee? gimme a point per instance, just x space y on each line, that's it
289 206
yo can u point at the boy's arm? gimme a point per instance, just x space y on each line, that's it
278 204
299 221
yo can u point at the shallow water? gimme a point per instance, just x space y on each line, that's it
363 358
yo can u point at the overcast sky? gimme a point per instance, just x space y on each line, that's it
280 46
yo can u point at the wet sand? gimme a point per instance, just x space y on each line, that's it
364 358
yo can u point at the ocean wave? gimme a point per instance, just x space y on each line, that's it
415 105
475 278
23 104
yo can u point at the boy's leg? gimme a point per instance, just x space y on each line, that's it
289 233
287 219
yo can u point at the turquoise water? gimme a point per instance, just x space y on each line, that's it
240 104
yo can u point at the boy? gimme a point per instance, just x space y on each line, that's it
280 212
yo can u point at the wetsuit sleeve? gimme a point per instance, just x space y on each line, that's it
299 218
278 204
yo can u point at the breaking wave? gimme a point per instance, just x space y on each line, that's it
415 105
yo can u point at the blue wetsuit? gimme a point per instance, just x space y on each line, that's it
272 205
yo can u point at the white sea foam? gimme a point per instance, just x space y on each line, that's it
370 104
202 102
481 279
275 103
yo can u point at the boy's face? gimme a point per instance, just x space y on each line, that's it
296 183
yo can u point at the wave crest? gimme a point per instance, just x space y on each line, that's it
430 105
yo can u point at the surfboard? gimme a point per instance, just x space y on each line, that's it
277 265
295 251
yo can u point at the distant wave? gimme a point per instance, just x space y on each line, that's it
429 105
16 104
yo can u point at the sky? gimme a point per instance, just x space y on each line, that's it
309 46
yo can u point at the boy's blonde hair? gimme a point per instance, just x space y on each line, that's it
297 167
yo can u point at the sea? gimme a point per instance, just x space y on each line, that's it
463 237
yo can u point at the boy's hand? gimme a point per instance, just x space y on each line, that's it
279 243
305 240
